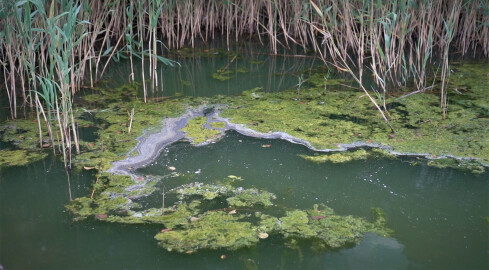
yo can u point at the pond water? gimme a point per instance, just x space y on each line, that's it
192 76
439 215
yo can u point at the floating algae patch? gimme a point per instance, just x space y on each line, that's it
312 115
323 80
235 196
212 230
305 115
176 215
121 210
267 223
99 208
327 229
460 164
218 229
218 124
114 200
92 98
115 138
347 156
250 197
243 222
207 191
197 132
19 157
23 134
340 157
101 94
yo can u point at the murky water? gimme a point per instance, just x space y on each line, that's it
439 216
192 76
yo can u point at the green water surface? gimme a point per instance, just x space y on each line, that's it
439 215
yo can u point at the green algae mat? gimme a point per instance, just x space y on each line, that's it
242 222
328 118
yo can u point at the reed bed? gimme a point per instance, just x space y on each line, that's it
49 49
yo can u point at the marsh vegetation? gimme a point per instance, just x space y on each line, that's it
402 83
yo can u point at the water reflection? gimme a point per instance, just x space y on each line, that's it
193 77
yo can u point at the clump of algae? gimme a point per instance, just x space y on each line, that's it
19 157
340 157
198 134
219 229
207 191
338 116
222 75
188 227
22 134
250 197
333 231
212 230
347 156
115 139
465 165
319 224
218 124
235 196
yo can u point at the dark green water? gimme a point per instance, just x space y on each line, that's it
438 215
193 75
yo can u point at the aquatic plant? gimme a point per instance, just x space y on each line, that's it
209 192
333 231
213 230
219 125
466 165
197 132
19 157
235 196
23 134
339 157
250 197
188 227
348 118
